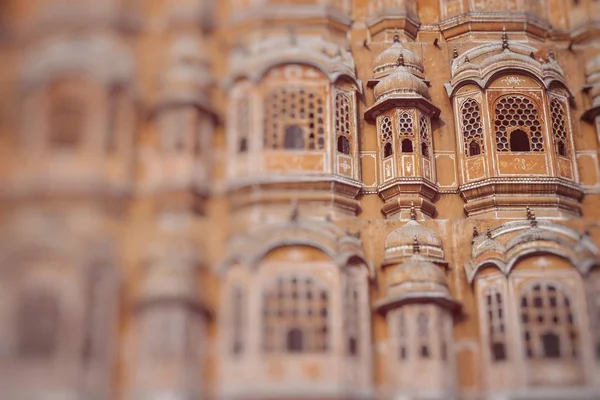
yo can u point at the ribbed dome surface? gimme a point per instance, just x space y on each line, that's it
402 82
406 235
419 271
387 61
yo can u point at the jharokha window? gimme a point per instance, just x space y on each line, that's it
243 125
352 317
386 137
472 130
237 321
294 119
559 127
496 326
343 122
425 136
402 336
66 120
405 131
295 316
548 323
38 324
517 125
423 331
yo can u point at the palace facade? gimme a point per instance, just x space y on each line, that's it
270 199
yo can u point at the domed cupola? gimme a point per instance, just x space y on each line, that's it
402 112
400 243
419 311
400 82
417 275
387 61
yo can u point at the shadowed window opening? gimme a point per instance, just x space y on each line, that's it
519 141
474 148
343 145
387 150
295 340
407 146
243 145
425 149
294 137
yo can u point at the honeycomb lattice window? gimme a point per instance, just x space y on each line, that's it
559 127
343 122
386 137
496 326
294 119
472 129
295 315
517 114
424 136
405 131
548 323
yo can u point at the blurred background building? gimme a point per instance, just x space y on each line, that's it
269 199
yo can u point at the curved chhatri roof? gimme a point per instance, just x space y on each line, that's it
481 64
254 61
387 61
249 249
505 245
401 83
417 270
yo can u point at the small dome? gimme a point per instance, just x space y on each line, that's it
402 82
406 235
387 61
417 270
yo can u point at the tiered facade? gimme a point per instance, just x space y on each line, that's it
333 199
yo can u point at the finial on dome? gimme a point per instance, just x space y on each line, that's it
416 249
532 55
413 213
396 37
488 233
475 232
455 53
533 220
401 60
551 56
294 211
528 213
504 39
467 59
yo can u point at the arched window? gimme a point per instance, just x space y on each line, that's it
294 137
471 127
407 146
517 112
237 321
474 149
386 137
67 115
38 321
423 331
294 119
559 127
424 135
343 145
352 313
519 141
295 316
593 291
496 326
343 122
402 336
243 124
548 323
